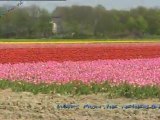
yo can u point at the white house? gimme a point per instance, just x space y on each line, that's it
54 27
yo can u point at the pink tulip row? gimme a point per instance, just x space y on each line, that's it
136 71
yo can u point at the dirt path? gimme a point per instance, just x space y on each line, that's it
26 106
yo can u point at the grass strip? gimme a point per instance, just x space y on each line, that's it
65 41
78 88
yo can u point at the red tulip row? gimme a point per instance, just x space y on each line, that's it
77 53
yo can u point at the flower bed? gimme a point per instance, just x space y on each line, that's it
128 70
137 65
137 71
77 53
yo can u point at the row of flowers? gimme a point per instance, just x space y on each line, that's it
77 53
135 71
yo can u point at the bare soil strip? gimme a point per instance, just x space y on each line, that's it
26 106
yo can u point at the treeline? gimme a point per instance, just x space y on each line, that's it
28 22
81 22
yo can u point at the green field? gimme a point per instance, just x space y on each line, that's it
124 90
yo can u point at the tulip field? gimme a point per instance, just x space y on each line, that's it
123 68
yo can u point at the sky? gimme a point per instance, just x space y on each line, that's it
108 4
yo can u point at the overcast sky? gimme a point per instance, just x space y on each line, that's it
109 4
